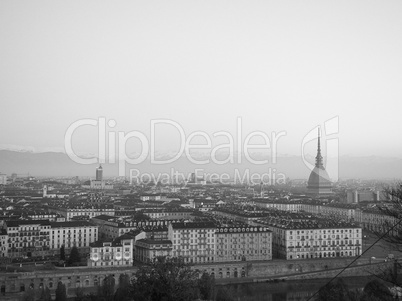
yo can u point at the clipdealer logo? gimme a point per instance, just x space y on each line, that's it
238 147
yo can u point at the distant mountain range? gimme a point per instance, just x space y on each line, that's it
58 164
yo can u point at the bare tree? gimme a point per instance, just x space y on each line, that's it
389 229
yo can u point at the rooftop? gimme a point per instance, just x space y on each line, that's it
242 229
17 223
310 224
155 242
191 225
71 224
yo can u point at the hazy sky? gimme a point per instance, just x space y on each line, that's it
279 65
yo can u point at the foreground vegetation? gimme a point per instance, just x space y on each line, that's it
170 279
166 279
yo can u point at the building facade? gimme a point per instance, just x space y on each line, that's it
148 249
301 240
116 253
89 211
243 243
69 234
28 238
3 244
194 241
319 182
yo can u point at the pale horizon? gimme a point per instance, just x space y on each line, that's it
280 66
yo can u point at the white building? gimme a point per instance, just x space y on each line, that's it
96 184
119 252
148 249
195 242
77 233
3 179
314 239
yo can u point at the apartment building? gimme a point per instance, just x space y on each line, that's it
194 241
243 243
76 233
3 244
314 239
28 238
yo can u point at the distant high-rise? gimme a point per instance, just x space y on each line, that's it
99 173
319 182
98 183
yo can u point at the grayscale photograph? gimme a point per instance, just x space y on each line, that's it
200 150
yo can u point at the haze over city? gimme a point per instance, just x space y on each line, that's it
207 150
280 66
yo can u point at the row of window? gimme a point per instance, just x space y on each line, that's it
324 243
325 231
322 255
27 228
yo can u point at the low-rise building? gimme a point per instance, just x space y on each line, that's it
238 214
44 215
174 213
112 228
339 211
3 179
148 249
150 197
113 253
376 220
89 211
284 204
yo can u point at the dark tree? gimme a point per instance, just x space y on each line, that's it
376 290
90 297
225 294
61 294
206 286
45 294
334 291
74 256
123 291
166 279
62 253
391 230
106 291
28 296
79 294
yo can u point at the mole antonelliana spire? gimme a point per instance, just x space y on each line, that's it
319 182
318 158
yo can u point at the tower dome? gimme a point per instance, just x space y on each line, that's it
319 182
